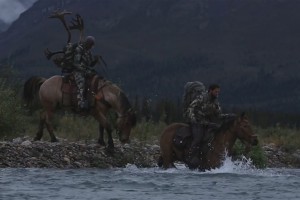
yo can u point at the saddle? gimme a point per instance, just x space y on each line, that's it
183 138
69 91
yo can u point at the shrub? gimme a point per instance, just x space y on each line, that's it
12 118
287 138
148 131
256 154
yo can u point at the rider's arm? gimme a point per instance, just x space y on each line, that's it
77 58
95 60
222 115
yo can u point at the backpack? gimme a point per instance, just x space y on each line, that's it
191 91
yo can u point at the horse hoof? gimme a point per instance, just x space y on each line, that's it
36 139
54 140
102 143
110 150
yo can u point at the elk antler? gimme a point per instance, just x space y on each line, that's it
77 23
49 53
61 16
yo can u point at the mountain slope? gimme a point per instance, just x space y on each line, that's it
153 47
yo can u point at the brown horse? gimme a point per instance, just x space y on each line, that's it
222 142
49 93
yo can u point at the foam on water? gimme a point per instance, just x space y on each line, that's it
244 166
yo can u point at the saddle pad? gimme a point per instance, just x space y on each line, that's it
181 137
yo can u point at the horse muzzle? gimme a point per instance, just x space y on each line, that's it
123 139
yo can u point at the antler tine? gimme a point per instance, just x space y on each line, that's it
59 14
49 53
77 23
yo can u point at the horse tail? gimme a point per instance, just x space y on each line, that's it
31 91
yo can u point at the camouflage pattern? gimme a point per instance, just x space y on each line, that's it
83 61
80 82
204 110
191 91
67 62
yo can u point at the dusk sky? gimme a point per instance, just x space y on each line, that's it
10 10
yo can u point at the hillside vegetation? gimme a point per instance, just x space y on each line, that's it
249 47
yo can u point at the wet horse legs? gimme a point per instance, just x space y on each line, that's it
109 136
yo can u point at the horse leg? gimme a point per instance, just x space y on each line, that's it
167 162
110 139
166 159
48 115
39 134
101 135
104 125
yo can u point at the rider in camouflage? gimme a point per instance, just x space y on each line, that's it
77 57
204 113
83 63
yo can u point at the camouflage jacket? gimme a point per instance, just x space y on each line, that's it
83 59
205 110
77 58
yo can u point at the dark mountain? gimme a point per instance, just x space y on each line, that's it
152 47
3 26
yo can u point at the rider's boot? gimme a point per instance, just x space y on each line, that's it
82 102
193 160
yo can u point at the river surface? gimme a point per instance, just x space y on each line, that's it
231 181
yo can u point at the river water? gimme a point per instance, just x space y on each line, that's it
234 180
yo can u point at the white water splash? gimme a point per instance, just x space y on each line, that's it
239 167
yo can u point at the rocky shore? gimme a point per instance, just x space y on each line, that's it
22 152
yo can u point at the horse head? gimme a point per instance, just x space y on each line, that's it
125 123
244 131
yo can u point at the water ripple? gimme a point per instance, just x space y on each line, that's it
232 181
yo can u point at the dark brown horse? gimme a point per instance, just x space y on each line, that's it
50 95
222 142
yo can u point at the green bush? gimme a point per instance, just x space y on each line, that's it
12 118
76 128
256 154
148 131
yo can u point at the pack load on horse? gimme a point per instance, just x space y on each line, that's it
213 151
76 61
62 91
190 92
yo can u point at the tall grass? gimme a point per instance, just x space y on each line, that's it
148 131
287 138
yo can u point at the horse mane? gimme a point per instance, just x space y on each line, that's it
226 124
126 107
